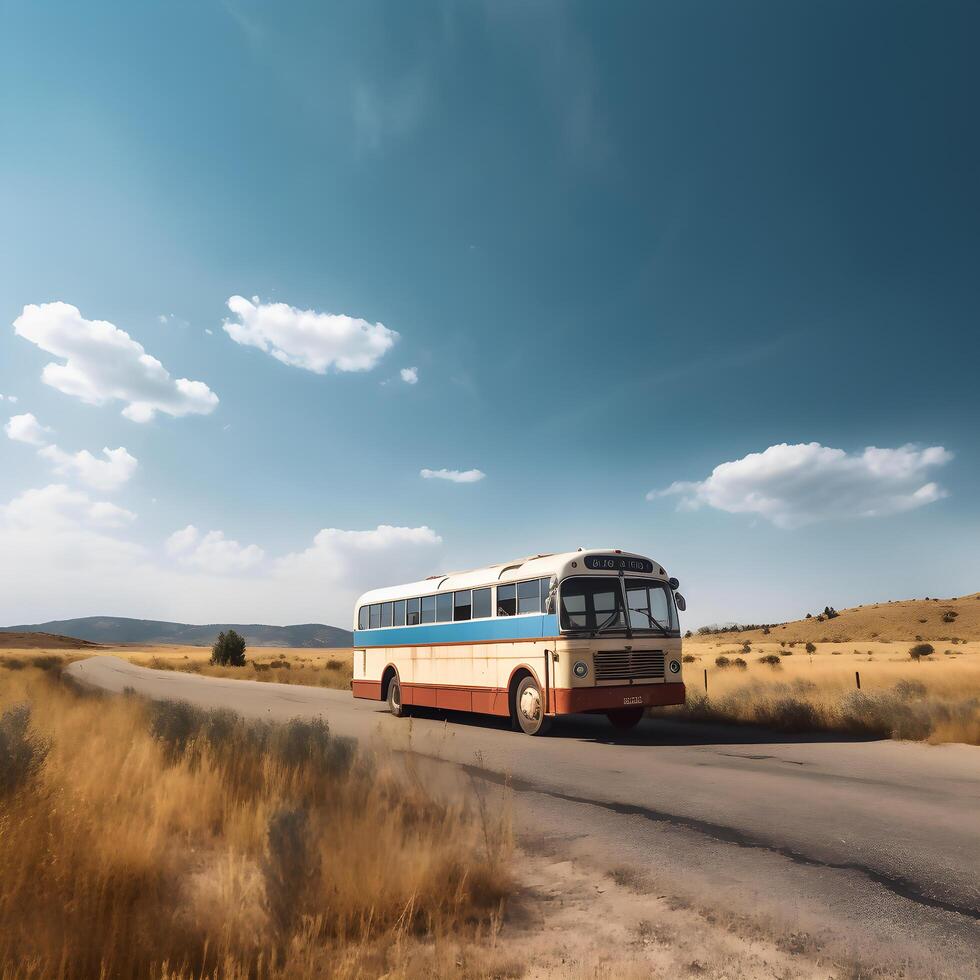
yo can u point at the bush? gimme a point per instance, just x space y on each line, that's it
228 650
770 658
810 648
688 658
722 661
949 616
921 650
21 753
746 647
740 663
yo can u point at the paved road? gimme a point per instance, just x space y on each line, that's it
872 846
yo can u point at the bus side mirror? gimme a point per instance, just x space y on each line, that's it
674 584
680 601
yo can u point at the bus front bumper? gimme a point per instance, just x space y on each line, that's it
575 700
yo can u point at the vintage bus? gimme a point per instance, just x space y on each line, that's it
584 631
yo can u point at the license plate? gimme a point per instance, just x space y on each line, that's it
633 700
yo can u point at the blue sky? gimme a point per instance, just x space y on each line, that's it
620 245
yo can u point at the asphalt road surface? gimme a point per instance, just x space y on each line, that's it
871 846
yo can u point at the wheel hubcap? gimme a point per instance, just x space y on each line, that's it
531 704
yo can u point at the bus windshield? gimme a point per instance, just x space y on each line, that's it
651 606
592 604
596 605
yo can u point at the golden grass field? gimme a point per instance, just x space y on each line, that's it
200 845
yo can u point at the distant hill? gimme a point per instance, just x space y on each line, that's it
10 640
905 619
118 629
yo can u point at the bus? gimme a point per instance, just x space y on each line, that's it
587 631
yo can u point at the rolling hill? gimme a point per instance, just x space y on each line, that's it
118 629
904 619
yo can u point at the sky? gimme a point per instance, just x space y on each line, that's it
303 299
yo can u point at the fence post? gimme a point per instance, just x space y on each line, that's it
705 680
857 677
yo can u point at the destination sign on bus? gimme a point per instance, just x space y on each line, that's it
619 563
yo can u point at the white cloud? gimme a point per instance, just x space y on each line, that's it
308 339
26 428
103 363
9 398
410 375
57 507
100 474
796 485
212 552
454 476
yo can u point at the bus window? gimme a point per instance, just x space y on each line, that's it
385 614
444 607
428 609
462 606
362 618
650 606
375 616
592 604
398 613
545 590
482 604
412 612
529 596
506 600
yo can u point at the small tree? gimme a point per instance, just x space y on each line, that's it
228 650
810 648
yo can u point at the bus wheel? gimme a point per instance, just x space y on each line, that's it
625 719
395 705
529 708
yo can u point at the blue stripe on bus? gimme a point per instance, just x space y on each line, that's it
503 628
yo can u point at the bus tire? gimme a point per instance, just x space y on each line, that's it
529 707
625 719
395 705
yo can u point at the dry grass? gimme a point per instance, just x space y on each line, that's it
316 668
141 839
935 698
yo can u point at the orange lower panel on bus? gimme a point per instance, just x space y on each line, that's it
493 700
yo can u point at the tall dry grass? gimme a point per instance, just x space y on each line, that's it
314 668
141 839
936 700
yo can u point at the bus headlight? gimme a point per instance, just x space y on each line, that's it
580 669
675 666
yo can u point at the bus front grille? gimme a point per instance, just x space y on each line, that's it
623 665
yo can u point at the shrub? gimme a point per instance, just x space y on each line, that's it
810 648
835 653
688 635
740 663
909 690
722 661
688 658
770 658
921 650
22 753
228 650
949 616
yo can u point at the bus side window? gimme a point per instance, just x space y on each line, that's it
444 607
506 600
462 606
529 596
375 616
428 609
362 618
412 612
482 604
398 613
385 614
547 600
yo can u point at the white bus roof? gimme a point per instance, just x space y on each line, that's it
557 565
